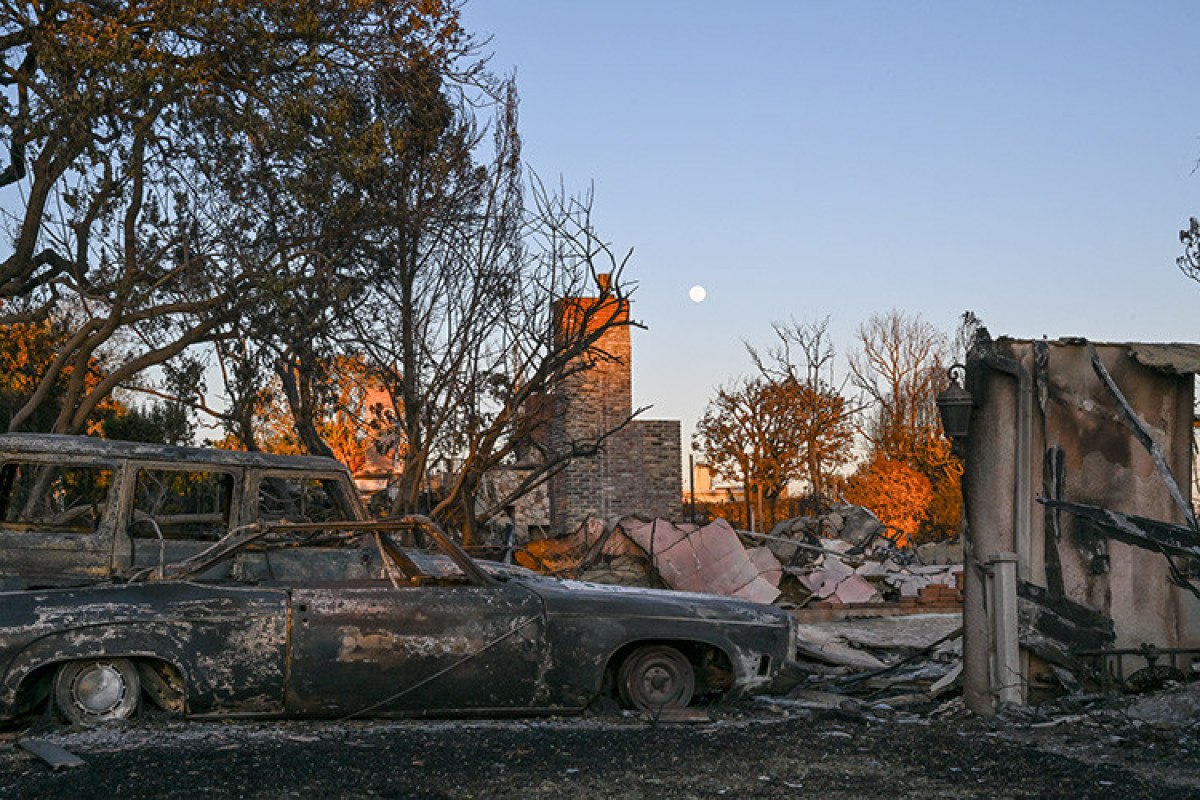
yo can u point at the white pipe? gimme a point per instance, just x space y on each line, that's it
1022 457
1023 496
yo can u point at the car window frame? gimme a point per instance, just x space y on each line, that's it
107 521
342 479
136 466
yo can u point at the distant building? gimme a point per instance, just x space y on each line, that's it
708 487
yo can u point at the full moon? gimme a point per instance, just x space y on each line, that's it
697 293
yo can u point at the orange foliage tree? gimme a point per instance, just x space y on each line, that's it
783 425
25 351
352 416
749 433
900 367
897 492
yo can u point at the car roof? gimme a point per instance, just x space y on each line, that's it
31 443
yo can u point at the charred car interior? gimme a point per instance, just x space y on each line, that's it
220 584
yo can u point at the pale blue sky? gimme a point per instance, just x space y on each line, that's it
1029 161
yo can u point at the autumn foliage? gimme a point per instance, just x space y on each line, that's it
768 433
911 478
788 430
26 350
354 416
897 493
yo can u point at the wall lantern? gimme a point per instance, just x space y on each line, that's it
954 406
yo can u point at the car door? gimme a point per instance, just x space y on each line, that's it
57 518
379 650
176 511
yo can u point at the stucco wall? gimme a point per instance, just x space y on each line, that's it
1104 465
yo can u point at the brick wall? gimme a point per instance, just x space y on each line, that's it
638 469
650 474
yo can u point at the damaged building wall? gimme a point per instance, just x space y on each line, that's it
647 469
638 470
1045 424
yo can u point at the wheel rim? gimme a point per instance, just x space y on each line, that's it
99 690
657 677
659 683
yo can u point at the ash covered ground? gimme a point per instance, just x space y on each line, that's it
751 750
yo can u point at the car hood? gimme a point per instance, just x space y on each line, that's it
570 597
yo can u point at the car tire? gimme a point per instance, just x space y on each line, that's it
655 677
97 691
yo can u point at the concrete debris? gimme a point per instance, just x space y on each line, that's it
1176 708
946 681
824 643
900 634
856 589
853 525
940 553
903 660
914 662
842 559
768 566
1172 712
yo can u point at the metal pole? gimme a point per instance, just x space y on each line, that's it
692 485
760 516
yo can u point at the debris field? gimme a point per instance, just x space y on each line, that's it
762 749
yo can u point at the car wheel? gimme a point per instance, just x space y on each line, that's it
655 677
97 691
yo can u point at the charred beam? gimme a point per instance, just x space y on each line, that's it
1149 534
1055 628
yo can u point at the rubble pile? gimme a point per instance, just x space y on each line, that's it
836 560
901 660
658 553
915 662
711 558
595 552
843 559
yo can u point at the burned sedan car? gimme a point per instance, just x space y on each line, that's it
221 584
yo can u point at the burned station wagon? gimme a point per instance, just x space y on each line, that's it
222 584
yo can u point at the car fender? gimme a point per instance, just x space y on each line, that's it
114 640
744 661
584 647
229 645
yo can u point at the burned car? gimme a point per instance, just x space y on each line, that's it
222 584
